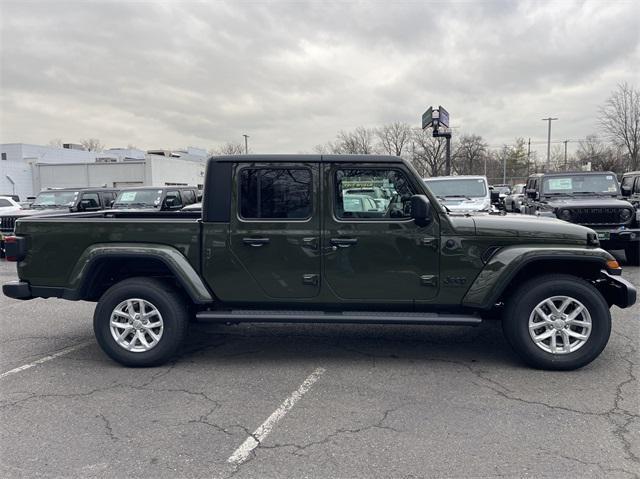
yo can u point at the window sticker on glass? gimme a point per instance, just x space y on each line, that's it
560 184
128 196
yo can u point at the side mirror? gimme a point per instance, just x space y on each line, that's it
531 194
625 190
111 203
495 196
420 210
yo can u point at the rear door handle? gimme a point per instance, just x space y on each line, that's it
255 242
343 242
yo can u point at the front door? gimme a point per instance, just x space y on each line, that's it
275 230
374 251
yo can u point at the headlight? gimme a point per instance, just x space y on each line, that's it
564 215
625 214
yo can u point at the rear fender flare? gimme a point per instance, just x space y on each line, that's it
173 259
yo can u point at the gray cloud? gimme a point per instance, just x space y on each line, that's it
292 74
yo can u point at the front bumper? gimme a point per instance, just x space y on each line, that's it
617 290
617 236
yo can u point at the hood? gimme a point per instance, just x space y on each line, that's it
586 202
533 227
35 212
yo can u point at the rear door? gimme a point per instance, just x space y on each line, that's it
275 230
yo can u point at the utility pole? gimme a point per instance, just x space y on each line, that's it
504 170
565 154
447 168
246 144
529 157
549 141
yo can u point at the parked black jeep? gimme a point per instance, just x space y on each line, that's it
587 198
157 198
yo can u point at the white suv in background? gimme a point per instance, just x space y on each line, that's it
461 193
8 204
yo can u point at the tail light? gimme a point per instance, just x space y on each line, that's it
15 248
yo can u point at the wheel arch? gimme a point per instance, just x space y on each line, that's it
102 265
512 266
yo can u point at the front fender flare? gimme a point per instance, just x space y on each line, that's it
506 263
185 274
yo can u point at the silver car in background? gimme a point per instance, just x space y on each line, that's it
461 193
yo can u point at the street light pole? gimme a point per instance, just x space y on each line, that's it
549 140
246 144
565 154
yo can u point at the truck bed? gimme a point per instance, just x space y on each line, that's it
77 231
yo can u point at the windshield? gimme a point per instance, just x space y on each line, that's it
502 189
572 184
454 188
138 199
55 199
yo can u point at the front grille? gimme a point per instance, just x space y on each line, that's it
7 224
596 216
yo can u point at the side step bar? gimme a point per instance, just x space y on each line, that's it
363 317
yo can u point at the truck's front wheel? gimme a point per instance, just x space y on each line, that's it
557 322
140 322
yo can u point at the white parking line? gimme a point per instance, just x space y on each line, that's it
242 453
62 352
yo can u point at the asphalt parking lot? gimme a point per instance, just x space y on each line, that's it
310 401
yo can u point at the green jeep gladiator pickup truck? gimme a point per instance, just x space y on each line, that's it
281 239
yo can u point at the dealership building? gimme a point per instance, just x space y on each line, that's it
27 169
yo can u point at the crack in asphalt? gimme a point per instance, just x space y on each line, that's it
108 428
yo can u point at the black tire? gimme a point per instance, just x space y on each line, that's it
172 306
632 254
515 323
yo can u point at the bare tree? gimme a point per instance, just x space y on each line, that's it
57 142
620 118
358 141
427 153
603 157
229 148
92 144
394 137
470 151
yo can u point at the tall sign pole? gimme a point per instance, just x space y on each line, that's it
439 121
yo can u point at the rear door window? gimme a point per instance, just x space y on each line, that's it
278 193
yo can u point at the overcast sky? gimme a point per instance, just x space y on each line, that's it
291 74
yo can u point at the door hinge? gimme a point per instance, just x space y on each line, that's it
429 280
311 279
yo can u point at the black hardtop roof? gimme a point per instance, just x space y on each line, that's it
300 158
565 173
82 188
181 187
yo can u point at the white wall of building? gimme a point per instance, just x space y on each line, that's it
128 173
162 170
26 169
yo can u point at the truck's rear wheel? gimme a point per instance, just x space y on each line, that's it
140 322
557 322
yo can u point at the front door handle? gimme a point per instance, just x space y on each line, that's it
255 242
343 242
